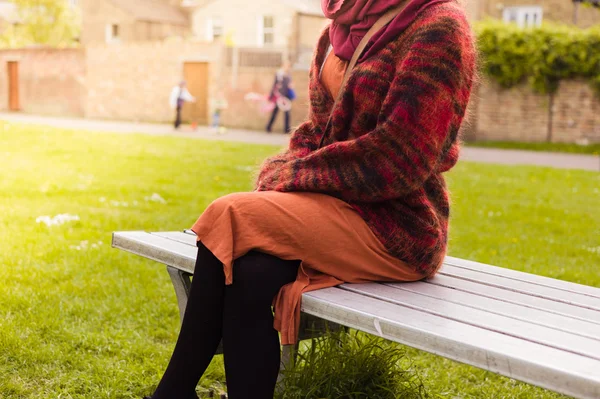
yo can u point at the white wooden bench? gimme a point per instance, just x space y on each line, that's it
535 329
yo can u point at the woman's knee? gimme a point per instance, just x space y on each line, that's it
259 277
224 203
232 203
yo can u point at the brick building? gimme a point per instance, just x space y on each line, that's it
237 54
289 26
116 21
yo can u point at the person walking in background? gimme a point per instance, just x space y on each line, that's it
179 96
281 96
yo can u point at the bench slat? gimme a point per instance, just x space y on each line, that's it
537 364
485 320
556 294
179 237
509 296
502 308
522 276
168 252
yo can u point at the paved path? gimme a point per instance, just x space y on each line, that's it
487 155
537 158
154 129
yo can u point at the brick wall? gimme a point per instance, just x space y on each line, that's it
133 81
519 114
576 113
51 82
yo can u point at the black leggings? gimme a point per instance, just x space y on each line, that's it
241 315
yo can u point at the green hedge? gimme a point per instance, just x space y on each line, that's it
543 56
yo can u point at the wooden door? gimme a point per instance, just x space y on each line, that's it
13 86
196 76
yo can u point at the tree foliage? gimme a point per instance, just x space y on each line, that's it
52 23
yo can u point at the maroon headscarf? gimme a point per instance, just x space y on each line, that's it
352 19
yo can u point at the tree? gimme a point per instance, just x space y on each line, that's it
54 23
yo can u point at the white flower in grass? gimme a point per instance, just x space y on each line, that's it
85 245
594 250
156 198
57 220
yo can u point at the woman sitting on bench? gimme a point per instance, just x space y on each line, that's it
358 196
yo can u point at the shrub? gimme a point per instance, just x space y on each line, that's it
353 366
544 56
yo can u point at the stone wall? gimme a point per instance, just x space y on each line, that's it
96 15
519 114
51 82
133 81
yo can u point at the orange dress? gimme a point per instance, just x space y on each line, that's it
332 241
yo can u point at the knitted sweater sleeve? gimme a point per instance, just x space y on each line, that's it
302 142
419 121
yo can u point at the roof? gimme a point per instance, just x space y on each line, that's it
153 11
310 7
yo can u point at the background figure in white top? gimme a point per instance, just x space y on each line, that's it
179 96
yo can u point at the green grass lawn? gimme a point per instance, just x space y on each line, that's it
81 320
590 149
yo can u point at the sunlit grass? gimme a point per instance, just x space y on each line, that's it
81 320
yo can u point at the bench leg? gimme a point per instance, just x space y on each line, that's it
288 359
182 283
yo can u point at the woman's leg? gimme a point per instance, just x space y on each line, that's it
272 120
288 117
201 330
250 343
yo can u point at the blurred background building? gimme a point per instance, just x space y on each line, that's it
119 59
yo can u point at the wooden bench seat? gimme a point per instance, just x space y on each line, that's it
535 329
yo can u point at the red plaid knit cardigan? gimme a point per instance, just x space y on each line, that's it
395 131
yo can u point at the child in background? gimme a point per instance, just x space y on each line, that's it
219 105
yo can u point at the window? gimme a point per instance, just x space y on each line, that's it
266 31
112 33
524 17
214 29
217 28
